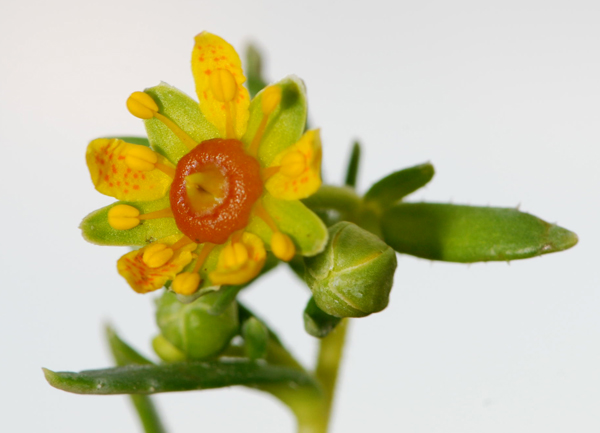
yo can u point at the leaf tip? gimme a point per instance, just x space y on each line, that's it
560 239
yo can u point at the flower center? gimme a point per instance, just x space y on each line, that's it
215 186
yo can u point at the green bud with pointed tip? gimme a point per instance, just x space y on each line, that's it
192 329
353 276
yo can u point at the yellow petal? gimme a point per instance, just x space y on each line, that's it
299 169
240 262
111 175
219 77
143 278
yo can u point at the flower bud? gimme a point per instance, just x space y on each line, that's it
190 327
353 276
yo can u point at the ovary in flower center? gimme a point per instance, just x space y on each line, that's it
215 187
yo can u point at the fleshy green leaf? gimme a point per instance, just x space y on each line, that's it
126 355
352 171
182 110
470 234
188 376
293 218
317 322
95 227
286 123
399 184
255 81
191 328
256 337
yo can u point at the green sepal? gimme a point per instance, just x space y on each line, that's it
255 81
227 294
399 184
317 322
469 234
95 227
353 276
184 376
143 141
182 110
293 218
194 331
353 166
256 337
286 123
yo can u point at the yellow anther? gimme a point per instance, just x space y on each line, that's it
123 217
282 246
223 85
140 158
293 164
186 283
271 97
234 255
142 105
156 255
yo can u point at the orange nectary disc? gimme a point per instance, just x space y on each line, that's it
243 186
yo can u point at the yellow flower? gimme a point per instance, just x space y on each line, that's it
217 185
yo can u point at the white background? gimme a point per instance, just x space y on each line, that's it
502 96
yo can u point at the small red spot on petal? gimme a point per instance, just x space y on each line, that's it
114 168
121 157
136 187
143 176
106 178
135 176
128 170
207 72
125 191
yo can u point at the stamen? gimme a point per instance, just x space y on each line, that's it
156 255
204 252
187 283
140 158
163 213
123 217
293 164
262 213
266 173
142 106
271 97
184 241
281 244
223 85
224 89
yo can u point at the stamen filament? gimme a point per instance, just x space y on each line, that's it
184 241
253 148
187 140
204 252
169 171
262 213
163 213
230 120
270 171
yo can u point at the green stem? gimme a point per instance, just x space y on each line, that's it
148 414
342 199
328 364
